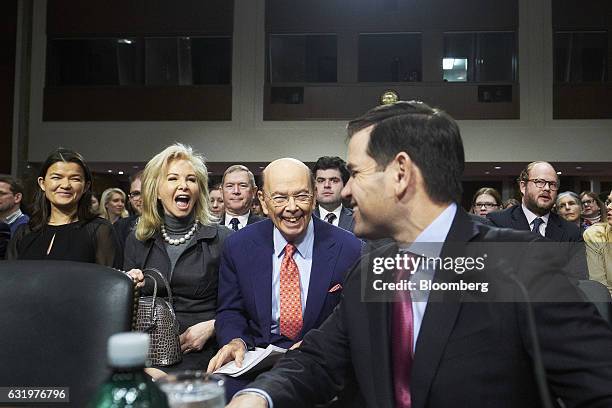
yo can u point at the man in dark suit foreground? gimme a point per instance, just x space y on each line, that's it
436 349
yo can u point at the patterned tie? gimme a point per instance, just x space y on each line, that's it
290 298
536 225
402 329
234 223
330 217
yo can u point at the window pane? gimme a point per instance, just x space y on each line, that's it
85 61
212 60
390 57
496 53
479 57
303 58
161 61
580 56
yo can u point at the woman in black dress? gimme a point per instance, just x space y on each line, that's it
175 235
63 226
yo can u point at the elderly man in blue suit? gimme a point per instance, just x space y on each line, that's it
280 277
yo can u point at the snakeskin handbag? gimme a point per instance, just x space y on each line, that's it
156 317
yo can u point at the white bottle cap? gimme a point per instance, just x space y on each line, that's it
128 349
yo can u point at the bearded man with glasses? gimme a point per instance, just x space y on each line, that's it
539 185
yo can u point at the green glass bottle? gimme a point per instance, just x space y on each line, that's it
128 386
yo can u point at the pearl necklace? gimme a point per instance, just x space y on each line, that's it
181 240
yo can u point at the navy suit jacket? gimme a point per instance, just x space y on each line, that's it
557 229
346 222
253 218
245 282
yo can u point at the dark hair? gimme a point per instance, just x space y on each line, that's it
490 191
15 185
136 176
332 162
42 207
429 136
594 196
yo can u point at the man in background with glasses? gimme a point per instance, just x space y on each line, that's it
539 185
125 225
280 277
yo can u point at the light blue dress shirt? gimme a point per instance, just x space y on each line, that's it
429 243
303 259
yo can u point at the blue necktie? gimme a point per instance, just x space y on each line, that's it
234 223
536 225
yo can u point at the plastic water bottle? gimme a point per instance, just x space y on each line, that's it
128 386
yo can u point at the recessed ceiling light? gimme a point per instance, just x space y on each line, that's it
119 172
497 168
578 167
134 167
487 172
559 173
110 171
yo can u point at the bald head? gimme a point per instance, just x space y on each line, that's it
287 197
287 167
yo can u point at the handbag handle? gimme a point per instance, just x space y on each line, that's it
152 271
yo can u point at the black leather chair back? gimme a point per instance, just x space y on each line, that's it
55 320
599 295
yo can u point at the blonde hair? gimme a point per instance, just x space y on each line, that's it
152 216
107 195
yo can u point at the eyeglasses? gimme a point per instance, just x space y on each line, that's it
283 200
486 205
539 183
134 194
608 202
588 202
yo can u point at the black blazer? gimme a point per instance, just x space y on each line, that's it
557 228
467 354
346 222
253 218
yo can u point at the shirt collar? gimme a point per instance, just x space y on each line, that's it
430 241
243 219
303 246
13 217
532 216
323 212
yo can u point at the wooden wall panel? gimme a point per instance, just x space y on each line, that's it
349 101
374 15
78 17
138 103
582 101
8 33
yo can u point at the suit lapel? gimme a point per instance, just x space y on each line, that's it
440 315
324 254
553 229
346 220
379 320
519 220
259 257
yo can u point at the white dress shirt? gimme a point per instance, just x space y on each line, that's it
531 217
242 220
323 213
